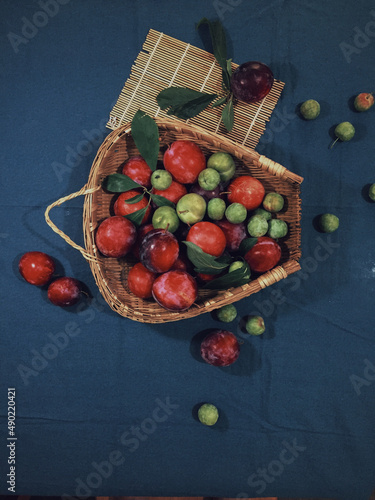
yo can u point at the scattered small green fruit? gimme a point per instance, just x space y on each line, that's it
273 202
216 208
310 109
328 223
208 414
277 228
227 313
161 179
236 213
255 325
257 226
344 131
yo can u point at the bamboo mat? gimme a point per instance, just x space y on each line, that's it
164 62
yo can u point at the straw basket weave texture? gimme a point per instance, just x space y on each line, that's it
197 69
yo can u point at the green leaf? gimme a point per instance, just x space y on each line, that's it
229 67
183 102
137 216
135 199
226 80
219 102
235 278
246 245
119 183
228 115
160 201
219 46
204 262
145 133
176 96
219 43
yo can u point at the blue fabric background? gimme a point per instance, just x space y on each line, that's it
307 385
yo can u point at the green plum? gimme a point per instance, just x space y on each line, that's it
310 109
209 179
208 414
165 218
216 208
257 226
344 131
371 192
328 223
277 228
236 213
264 213
223 163
161 179
255 325
227 313
191 208
273 202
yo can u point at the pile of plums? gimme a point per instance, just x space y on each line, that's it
210 207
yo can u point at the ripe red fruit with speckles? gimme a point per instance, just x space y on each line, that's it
173 193
246 190
36 268
220 348
159 250
209 237
64 292
175 290
140 281
137 169
184 160
121 207
264 255
115 236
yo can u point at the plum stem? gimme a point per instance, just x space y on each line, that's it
334 143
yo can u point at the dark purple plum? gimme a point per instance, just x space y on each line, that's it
207 195
159 250
251 81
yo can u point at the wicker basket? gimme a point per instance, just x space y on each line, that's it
110 274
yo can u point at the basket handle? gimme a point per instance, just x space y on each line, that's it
83 191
